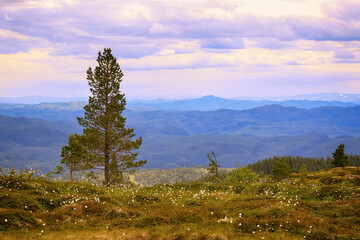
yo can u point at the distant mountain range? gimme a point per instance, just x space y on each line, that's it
327 97
269 120
206 103
41 99
209 103
182 138
67 111
342 97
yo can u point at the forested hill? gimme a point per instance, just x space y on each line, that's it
264 167
270 120
28 142
181 139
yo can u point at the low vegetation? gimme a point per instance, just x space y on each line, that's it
311 205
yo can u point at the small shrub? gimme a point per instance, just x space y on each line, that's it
239 189
113 214
268 188
192 217
48 203
217 187
18 202
192 202
16 219
146 199
243 175
355 181
151 221
276 213
319 234
333 192
330 180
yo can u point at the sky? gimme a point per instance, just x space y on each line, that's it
182 48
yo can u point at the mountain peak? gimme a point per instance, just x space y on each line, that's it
210 97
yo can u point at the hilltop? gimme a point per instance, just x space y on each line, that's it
323 205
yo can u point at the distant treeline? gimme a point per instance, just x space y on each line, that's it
264 167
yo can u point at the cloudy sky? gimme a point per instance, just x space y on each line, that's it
182 48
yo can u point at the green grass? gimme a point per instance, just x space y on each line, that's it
324 205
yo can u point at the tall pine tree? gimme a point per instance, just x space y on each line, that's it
109 142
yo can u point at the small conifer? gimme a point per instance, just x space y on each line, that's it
340 158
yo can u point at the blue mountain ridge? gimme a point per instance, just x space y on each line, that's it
182 138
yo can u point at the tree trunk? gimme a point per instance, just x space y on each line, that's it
107 159
216 165
107 169
106 147
71 174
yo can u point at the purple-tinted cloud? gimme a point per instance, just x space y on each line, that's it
343 10
344 55
174 35
323 30
76 25
223 43
269 43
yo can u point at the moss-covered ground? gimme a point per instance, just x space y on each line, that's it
321 205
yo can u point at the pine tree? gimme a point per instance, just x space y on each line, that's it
340 158
108 140
213 165
74 155
303 171
281 169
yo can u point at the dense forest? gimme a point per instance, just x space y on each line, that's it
264 167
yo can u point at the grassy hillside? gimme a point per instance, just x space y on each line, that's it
324 205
